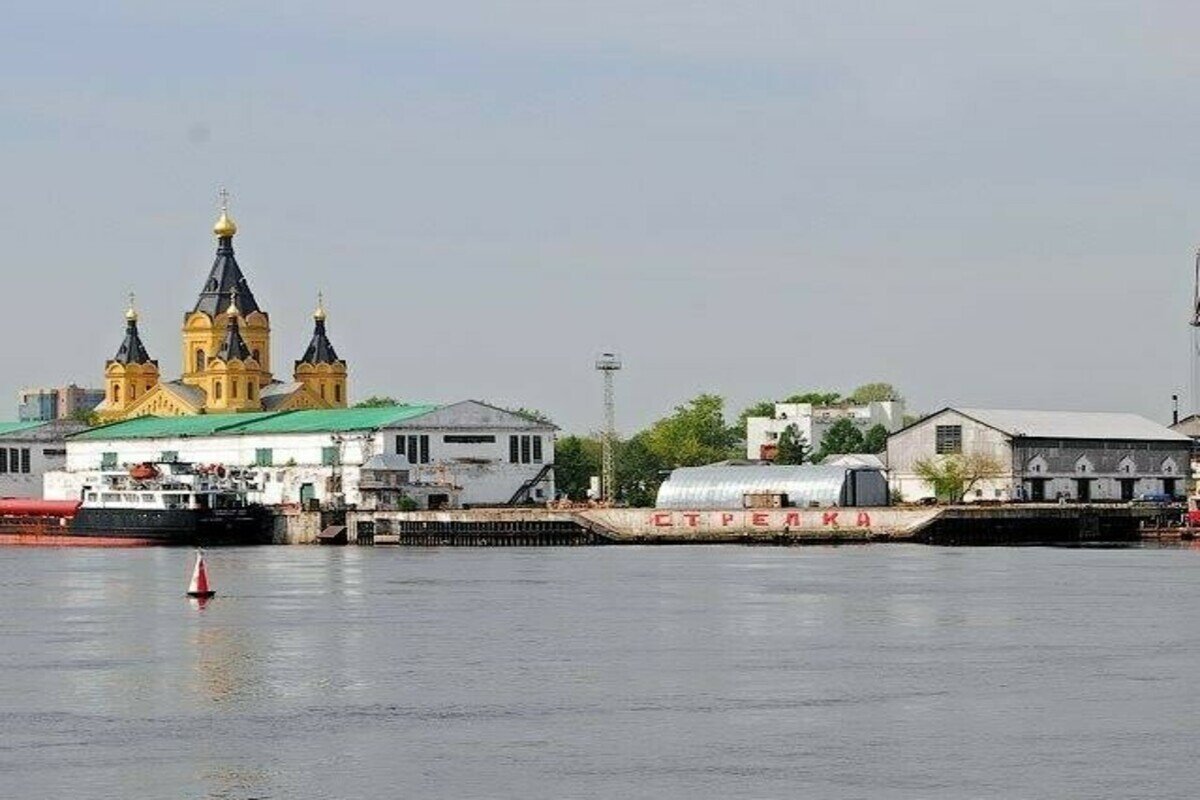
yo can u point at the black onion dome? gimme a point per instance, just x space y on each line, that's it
132 351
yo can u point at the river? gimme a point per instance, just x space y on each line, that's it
880 671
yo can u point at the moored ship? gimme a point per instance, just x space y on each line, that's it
148 504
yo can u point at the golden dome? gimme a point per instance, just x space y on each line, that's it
233 309
319 314
225 226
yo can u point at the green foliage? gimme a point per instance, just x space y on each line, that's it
640 471
951 477
816 398
843 436
533 414
377 401
86 416
576 460
764 408
695 434
792 447
874 393
408 504
875 440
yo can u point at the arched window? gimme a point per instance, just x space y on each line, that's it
116 393
233 386
250 390
217 390
199 360
337 393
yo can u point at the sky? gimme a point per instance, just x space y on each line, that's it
985 205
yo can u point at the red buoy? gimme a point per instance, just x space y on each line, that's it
199 585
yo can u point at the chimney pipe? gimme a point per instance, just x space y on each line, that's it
1175 409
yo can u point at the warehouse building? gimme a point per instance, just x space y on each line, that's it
468 452
733 485
28 450
1045 455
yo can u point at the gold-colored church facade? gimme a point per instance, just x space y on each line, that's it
226 356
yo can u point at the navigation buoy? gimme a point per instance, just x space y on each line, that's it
199 585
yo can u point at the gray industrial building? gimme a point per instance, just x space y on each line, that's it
767 486
1046 455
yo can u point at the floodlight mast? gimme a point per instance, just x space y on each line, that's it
608 364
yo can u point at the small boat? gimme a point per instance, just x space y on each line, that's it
171 503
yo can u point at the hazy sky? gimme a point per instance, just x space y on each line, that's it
985 204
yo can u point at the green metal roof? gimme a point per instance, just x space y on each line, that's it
316 421
13 427
336 419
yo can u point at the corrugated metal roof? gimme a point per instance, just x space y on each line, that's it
337 419
1072 424
720 486
261 422
13 427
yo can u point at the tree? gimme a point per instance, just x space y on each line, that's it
695 434
792 447
85 415
576 460
377 401
951 477
843 436
533 414
874 393
875 440
763 408
816 398
639 471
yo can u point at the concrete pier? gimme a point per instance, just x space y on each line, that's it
939 525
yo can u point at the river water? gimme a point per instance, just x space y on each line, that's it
876 671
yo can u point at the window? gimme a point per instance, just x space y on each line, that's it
116 392
14 460
250 390
399 445
217 390
233 388
525 449
949 440
264 457
329 456
108 460
337 393
3 459
199 360
169 456
424 449
322 391
454 438
255 355
52 452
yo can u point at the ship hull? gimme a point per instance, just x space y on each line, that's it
113 527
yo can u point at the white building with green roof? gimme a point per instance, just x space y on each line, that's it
488 453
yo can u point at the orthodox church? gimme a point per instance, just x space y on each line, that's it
226 356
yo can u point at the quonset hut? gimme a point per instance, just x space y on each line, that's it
753 485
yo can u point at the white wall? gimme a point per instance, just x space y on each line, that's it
918 442
813 423
29 484
481 469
